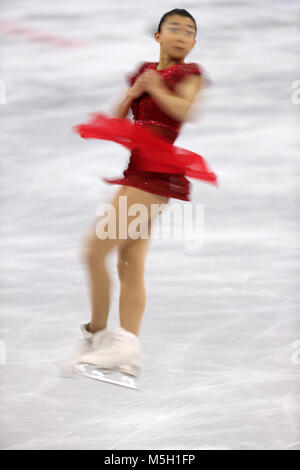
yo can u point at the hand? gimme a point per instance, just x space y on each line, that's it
136 90
145 83
150 80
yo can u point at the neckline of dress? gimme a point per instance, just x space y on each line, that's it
167 68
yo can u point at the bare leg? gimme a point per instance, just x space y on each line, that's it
131 268
133 250
100 289
94 253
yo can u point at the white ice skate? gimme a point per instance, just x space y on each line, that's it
123 355
88 343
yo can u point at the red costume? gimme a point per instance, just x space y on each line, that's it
155 165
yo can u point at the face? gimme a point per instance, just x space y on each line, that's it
177 36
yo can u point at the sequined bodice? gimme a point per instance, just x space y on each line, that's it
145 109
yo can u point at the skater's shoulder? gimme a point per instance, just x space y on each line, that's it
192 69
188 68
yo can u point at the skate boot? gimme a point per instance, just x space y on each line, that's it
88 343
124 354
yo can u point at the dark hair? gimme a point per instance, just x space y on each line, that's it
176 11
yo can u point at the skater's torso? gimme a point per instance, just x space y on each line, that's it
146 111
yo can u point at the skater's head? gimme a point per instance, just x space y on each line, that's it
176 33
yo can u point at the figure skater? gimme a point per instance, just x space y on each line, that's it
160 96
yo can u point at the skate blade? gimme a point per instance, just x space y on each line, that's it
106 375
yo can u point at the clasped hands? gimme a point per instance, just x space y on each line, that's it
146 83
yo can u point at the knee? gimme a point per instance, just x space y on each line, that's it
130 264
121 268
92 250
86 252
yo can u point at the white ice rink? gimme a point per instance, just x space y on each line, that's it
221 332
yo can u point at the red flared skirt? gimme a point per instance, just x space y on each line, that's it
156 165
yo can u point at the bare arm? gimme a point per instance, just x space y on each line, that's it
132 93
121 110
177 103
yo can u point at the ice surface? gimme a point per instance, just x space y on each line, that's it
220 333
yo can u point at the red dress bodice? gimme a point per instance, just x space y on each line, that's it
146 111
